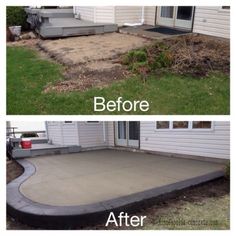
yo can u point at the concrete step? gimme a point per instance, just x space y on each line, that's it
43 150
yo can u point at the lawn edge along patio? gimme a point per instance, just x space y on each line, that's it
58 217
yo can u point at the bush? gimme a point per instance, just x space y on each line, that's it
134 56
17 16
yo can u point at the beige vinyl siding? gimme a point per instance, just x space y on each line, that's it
86 12
149 15
212 21
209 143
91 134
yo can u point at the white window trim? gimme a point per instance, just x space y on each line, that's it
190 128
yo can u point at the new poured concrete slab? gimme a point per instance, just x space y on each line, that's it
97 176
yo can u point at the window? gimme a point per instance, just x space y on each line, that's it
167 12
180 124
201 125
92 122
225 7
162 125
183 125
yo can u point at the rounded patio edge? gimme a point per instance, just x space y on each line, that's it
62 217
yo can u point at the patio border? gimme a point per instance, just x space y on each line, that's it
62 217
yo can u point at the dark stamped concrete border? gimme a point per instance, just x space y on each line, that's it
64 217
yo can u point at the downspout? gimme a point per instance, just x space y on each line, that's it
104 131
137 24
155 23
194 8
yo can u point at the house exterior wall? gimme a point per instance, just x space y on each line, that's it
86 12
213 143
149 15
212 21
91 134
208 143
117 14
104 14
62 133
127 14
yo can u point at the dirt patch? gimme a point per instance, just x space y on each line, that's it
97 74
84 49
13 170
31 43
197 195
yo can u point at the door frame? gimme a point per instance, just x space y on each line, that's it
174 22
126 142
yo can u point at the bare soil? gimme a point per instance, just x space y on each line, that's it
13 170
97 74
79 50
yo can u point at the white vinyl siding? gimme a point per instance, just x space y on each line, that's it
91 134
110 133
70 134
61 133
104 14
86 12
128 14
54 134
149 15
213 21
208 143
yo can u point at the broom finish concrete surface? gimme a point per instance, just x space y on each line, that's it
96 176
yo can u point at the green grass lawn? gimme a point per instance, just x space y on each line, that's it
28 74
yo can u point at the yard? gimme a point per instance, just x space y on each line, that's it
38 85
206 206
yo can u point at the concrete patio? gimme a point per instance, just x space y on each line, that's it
85 184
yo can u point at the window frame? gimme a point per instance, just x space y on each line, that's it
223 10
92 122
190 128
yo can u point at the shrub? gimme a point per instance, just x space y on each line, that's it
134 56
17 16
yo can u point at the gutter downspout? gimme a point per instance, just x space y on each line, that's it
104 131
155 23
137 24
193 18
